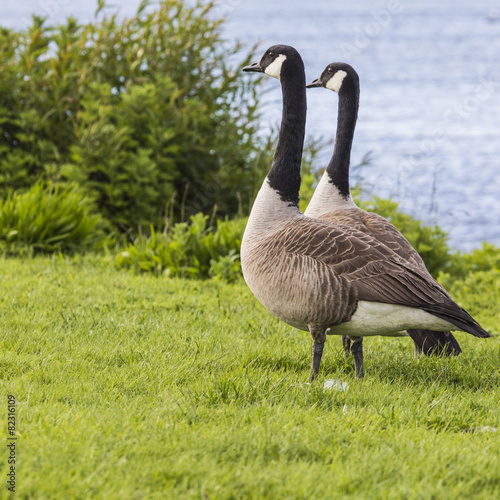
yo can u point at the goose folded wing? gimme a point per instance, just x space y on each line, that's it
391 237
343 249
374 272
375 225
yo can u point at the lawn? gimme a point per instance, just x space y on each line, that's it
131 387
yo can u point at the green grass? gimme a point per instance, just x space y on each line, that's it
134 387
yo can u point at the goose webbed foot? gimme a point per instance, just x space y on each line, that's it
346 343
357 352
319 337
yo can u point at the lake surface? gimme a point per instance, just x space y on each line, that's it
430 92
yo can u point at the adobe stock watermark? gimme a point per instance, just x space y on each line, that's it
380 20
11 443
453 121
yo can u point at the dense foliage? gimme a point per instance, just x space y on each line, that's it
48 219
189 249
134 111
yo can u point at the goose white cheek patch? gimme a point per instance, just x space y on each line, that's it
274 69
336 80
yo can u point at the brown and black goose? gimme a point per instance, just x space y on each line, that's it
332 199
324 277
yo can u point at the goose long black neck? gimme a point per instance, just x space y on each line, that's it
285 171
338 168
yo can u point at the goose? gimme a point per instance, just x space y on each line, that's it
324 277
332 200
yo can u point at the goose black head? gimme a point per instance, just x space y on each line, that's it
275 60
339 77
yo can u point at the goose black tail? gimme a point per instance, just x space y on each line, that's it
435 343
459 317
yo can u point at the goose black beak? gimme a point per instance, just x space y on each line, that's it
254 67
316 83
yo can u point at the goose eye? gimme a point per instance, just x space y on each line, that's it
271 54
330 70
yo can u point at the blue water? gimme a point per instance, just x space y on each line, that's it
430 92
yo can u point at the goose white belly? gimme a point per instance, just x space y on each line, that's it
376 318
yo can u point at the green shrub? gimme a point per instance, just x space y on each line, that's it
226 268
486 258
48 219
125 155
476 289
188 249
134 111
463 265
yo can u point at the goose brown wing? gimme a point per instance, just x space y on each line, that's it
377 227
389 235
340 247
374 272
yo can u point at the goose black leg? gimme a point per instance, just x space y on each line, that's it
346 342
357 352
319 337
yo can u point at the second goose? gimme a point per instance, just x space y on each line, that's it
332 199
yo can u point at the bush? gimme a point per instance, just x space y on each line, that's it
134 111
188 249
476 289
463 265
486 258
48 219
